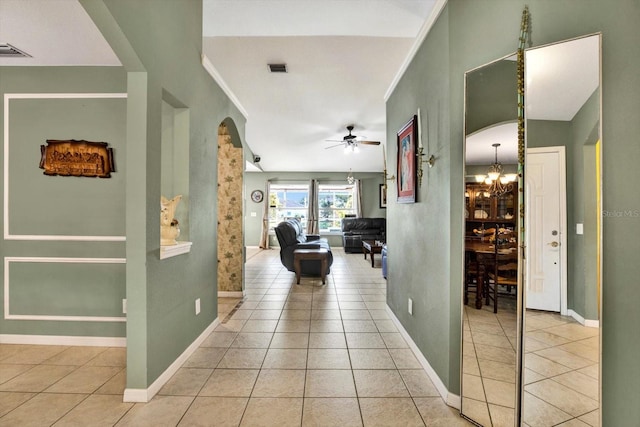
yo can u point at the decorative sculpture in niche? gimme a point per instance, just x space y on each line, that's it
169 228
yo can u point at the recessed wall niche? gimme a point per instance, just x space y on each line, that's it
175 158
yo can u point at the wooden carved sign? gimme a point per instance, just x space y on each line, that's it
77 158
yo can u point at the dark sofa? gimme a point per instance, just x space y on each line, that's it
355 230
291 236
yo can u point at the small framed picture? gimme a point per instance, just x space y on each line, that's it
406 176
383 196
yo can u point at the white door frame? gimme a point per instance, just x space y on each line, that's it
560 150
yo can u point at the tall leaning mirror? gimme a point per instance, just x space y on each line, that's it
490 306
562 234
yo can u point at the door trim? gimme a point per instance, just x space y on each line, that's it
562 171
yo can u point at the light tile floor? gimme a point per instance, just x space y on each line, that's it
561 368
308 354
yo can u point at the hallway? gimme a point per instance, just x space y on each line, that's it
285 355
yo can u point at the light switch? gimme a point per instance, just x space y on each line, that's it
579 228
254 214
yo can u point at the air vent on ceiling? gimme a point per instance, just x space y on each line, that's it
278 68
9 51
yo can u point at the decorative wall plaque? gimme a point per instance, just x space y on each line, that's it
77 158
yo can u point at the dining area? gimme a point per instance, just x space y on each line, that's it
491 267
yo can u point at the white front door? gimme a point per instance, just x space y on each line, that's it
545 229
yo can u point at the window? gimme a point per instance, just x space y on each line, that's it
292 201
334 202
288 201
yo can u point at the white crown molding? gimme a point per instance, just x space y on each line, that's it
422 35
7 312
7 98
213 72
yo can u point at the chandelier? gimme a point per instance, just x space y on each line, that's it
498 183
350 178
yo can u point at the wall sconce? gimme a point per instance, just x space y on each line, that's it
430 161
386 177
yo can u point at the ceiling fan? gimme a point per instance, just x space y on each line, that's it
351 140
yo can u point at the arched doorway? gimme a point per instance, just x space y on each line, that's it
230 218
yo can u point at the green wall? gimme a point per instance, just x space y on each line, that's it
57 208
489 95
421 270
159 44
578 136
467 35
257 181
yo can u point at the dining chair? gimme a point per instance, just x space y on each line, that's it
504 271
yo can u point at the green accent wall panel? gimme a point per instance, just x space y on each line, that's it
65 205
52 288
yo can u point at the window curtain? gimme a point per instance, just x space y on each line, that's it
357 196
312 216
264 233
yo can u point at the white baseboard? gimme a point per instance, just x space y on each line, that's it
592 323
450 399
63 340
230 294
584 322
143 395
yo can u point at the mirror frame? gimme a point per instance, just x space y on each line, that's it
518 226
599 234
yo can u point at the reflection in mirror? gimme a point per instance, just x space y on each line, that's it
489 345
562 304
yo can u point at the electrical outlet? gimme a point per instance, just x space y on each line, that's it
124 306
197 306
579 228
410 306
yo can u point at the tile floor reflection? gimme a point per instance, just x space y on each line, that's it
286 354
489 363
561 372
561 368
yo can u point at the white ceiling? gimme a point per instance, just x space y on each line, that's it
53 32
479 149
341 55
559 79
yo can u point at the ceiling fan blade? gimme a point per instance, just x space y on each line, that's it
333 146
369 142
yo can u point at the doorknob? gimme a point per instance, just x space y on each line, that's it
554 244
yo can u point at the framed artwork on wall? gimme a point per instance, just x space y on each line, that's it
406 176
77 158
383 196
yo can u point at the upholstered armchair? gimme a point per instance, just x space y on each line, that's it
291 236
